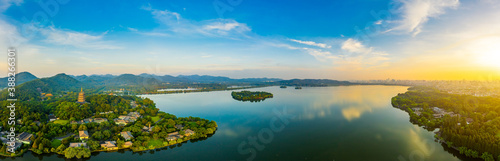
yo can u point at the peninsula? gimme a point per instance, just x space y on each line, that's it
75 125
468 124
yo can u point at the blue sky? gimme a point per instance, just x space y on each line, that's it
369 39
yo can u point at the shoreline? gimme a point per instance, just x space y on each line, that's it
437 133
23 151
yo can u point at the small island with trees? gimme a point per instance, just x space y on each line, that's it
251 96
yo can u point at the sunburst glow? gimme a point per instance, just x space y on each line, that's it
488 52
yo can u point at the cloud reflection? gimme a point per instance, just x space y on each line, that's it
352 101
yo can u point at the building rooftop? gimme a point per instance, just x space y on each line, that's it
127 135
83 134
74 145
24 136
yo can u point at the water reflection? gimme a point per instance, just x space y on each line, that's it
233 131
351 101
418 144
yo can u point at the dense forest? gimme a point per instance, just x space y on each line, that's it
471 124
251 96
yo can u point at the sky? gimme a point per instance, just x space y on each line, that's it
343 40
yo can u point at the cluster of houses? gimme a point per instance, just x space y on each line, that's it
439 113
22 138
133 104
90 120
25 138
82 135
175 135
111 145
105 113
125 119
105 145
127 135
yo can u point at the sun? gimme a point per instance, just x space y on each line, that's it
488 52
491 57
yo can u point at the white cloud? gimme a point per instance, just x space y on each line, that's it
353 55
5 4
321 55
165 14
415 13
354 46
132 29
172 22
312 43
282 45
226 25
222 27
77 39
9 36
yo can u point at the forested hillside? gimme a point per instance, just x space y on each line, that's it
472 124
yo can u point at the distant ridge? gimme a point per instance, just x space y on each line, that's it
135 79
130 79
29 86
313 82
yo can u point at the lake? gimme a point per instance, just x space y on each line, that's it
313 123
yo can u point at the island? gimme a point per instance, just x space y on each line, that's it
251 96
468 124
75 125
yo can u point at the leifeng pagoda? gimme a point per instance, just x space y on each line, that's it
81 97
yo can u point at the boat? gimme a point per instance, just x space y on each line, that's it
298 87
282 86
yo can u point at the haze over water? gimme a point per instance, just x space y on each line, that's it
330 123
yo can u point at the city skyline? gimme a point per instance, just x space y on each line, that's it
397 39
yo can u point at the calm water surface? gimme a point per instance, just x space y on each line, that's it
320 123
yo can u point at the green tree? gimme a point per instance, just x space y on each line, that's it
40 147
97 135
61 148
107 133
82 128
94 145
70 153
3 149
120 143
487 156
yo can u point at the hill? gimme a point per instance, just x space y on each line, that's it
31 90
20 78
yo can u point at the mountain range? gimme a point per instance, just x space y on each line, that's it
29 86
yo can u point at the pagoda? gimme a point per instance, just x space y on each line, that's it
81 97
